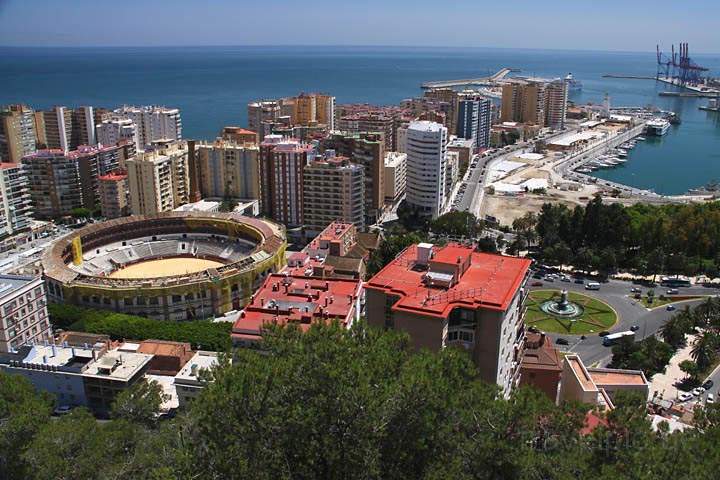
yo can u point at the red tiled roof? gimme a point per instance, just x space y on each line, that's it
301 300
490 282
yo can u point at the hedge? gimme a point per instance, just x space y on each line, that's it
201 334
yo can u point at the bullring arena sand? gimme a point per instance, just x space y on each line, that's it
165 267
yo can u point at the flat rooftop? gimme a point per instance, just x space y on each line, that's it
56 355
489 282
11 283
200 361
118 365
603 376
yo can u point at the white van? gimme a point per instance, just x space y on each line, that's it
592 286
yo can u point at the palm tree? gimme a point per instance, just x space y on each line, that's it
703 351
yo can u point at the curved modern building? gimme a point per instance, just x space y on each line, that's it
426 164
171 266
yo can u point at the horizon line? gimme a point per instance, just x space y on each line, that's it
448 47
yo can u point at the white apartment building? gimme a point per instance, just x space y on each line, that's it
426 167
111 132
158 180
188 382
23 312
395 175
153 123
15 201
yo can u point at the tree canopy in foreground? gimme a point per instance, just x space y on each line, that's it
339 404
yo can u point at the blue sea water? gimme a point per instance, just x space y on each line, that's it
212 86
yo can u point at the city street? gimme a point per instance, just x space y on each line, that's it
630 312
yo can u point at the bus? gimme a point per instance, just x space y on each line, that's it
615 337
675 282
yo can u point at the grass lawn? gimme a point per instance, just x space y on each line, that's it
597 315
660 301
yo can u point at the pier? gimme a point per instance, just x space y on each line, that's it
631 77
500 75
713 94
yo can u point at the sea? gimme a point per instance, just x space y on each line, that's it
212 86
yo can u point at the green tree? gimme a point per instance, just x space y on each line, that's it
389 248
704 349
525 226
690 368
229 202
22 413
140 403
81 212
457 224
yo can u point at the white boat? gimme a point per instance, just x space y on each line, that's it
640 139
657 127
622 153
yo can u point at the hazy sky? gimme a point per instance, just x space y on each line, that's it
632 25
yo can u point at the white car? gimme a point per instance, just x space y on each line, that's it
684 396
698 391
710 398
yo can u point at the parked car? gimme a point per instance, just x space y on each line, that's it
536 284
562 341
710 398
670 308
635 328
684 396
604 333
698 391
62 410
708 385
549 279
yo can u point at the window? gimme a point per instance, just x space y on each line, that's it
176 298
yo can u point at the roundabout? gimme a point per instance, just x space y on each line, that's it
572 313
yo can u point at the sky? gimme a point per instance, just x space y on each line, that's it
615 25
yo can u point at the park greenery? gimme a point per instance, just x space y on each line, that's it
644 239
201 334
596 315
337 404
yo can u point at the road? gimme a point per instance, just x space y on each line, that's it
630 312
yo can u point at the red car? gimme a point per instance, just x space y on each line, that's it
536 284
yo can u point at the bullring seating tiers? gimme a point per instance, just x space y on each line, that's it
107 259
161 235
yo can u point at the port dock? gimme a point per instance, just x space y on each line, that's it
631 77
500 75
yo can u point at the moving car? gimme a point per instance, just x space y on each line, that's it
670 308
592 286
635 328
562 341
635 290
536 284
604 333
672 291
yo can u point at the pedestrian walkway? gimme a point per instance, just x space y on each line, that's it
664 383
